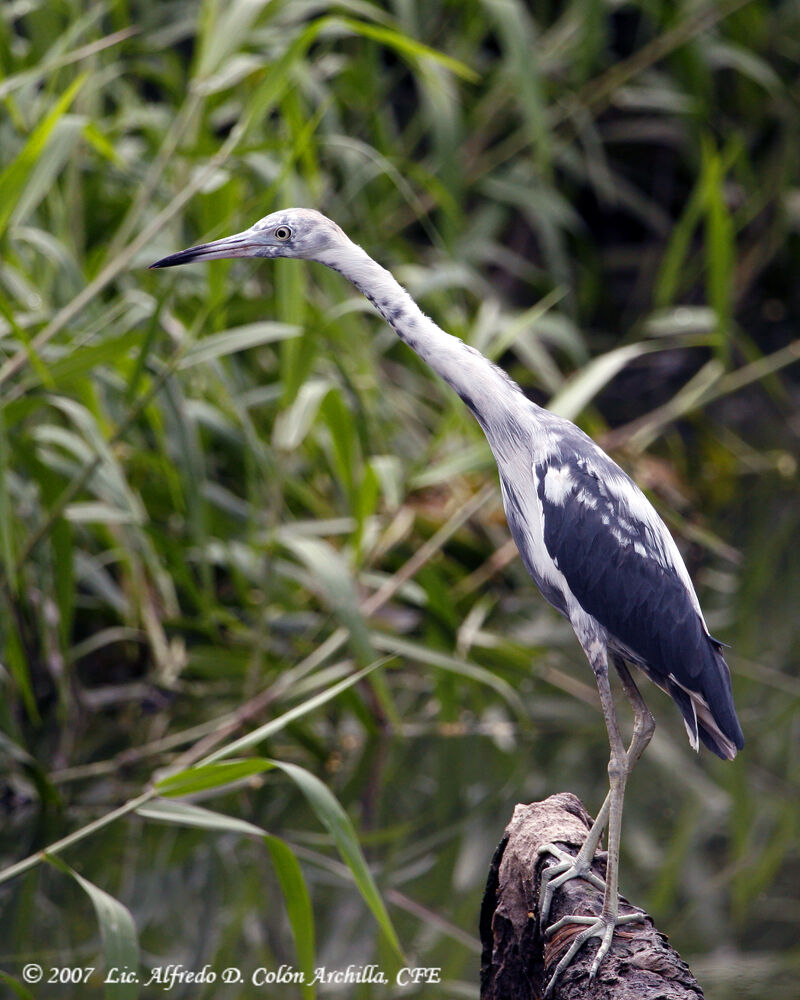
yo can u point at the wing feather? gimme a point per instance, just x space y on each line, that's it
624 569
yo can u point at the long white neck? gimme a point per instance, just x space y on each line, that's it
484 387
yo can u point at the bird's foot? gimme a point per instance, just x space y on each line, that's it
568 866
602 927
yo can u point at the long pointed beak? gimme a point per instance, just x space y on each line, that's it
241 245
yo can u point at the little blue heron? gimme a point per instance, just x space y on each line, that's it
588 536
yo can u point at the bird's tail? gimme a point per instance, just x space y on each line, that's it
709 715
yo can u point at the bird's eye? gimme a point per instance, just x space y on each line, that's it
283 233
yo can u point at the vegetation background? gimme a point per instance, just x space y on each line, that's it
226 488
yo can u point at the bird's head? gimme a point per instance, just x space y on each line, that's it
291 232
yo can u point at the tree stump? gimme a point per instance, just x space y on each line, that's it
518 961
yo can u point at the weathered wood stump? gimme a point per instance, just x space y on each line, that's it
518 961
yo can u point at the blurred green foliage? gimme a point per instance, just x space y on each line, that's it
224 487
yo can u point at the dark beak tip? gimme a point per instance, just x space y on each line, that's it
172 260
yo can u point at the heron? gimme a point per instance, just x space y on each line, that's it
588 536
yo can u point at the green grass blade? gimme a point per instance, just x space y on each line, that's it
668 282
286 865
239 339
226 33
16 176
189 814
442 661
720 246
60 147
580 390
17 661
333 579
338 824
408 47
7 526
16 987
298 908
117 929
205 777
276 725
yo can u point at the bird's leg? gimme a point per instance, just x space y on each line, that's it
571 866
620 765
643 722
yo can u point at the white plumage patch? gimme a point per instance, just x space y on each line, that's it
558 484
695 699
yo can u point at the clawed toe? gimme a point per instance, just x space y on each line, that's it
601 927
567 867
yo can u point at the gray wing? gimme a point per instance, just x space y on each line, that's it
624 569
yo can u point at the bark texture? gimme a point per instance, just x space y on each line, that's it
518 961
